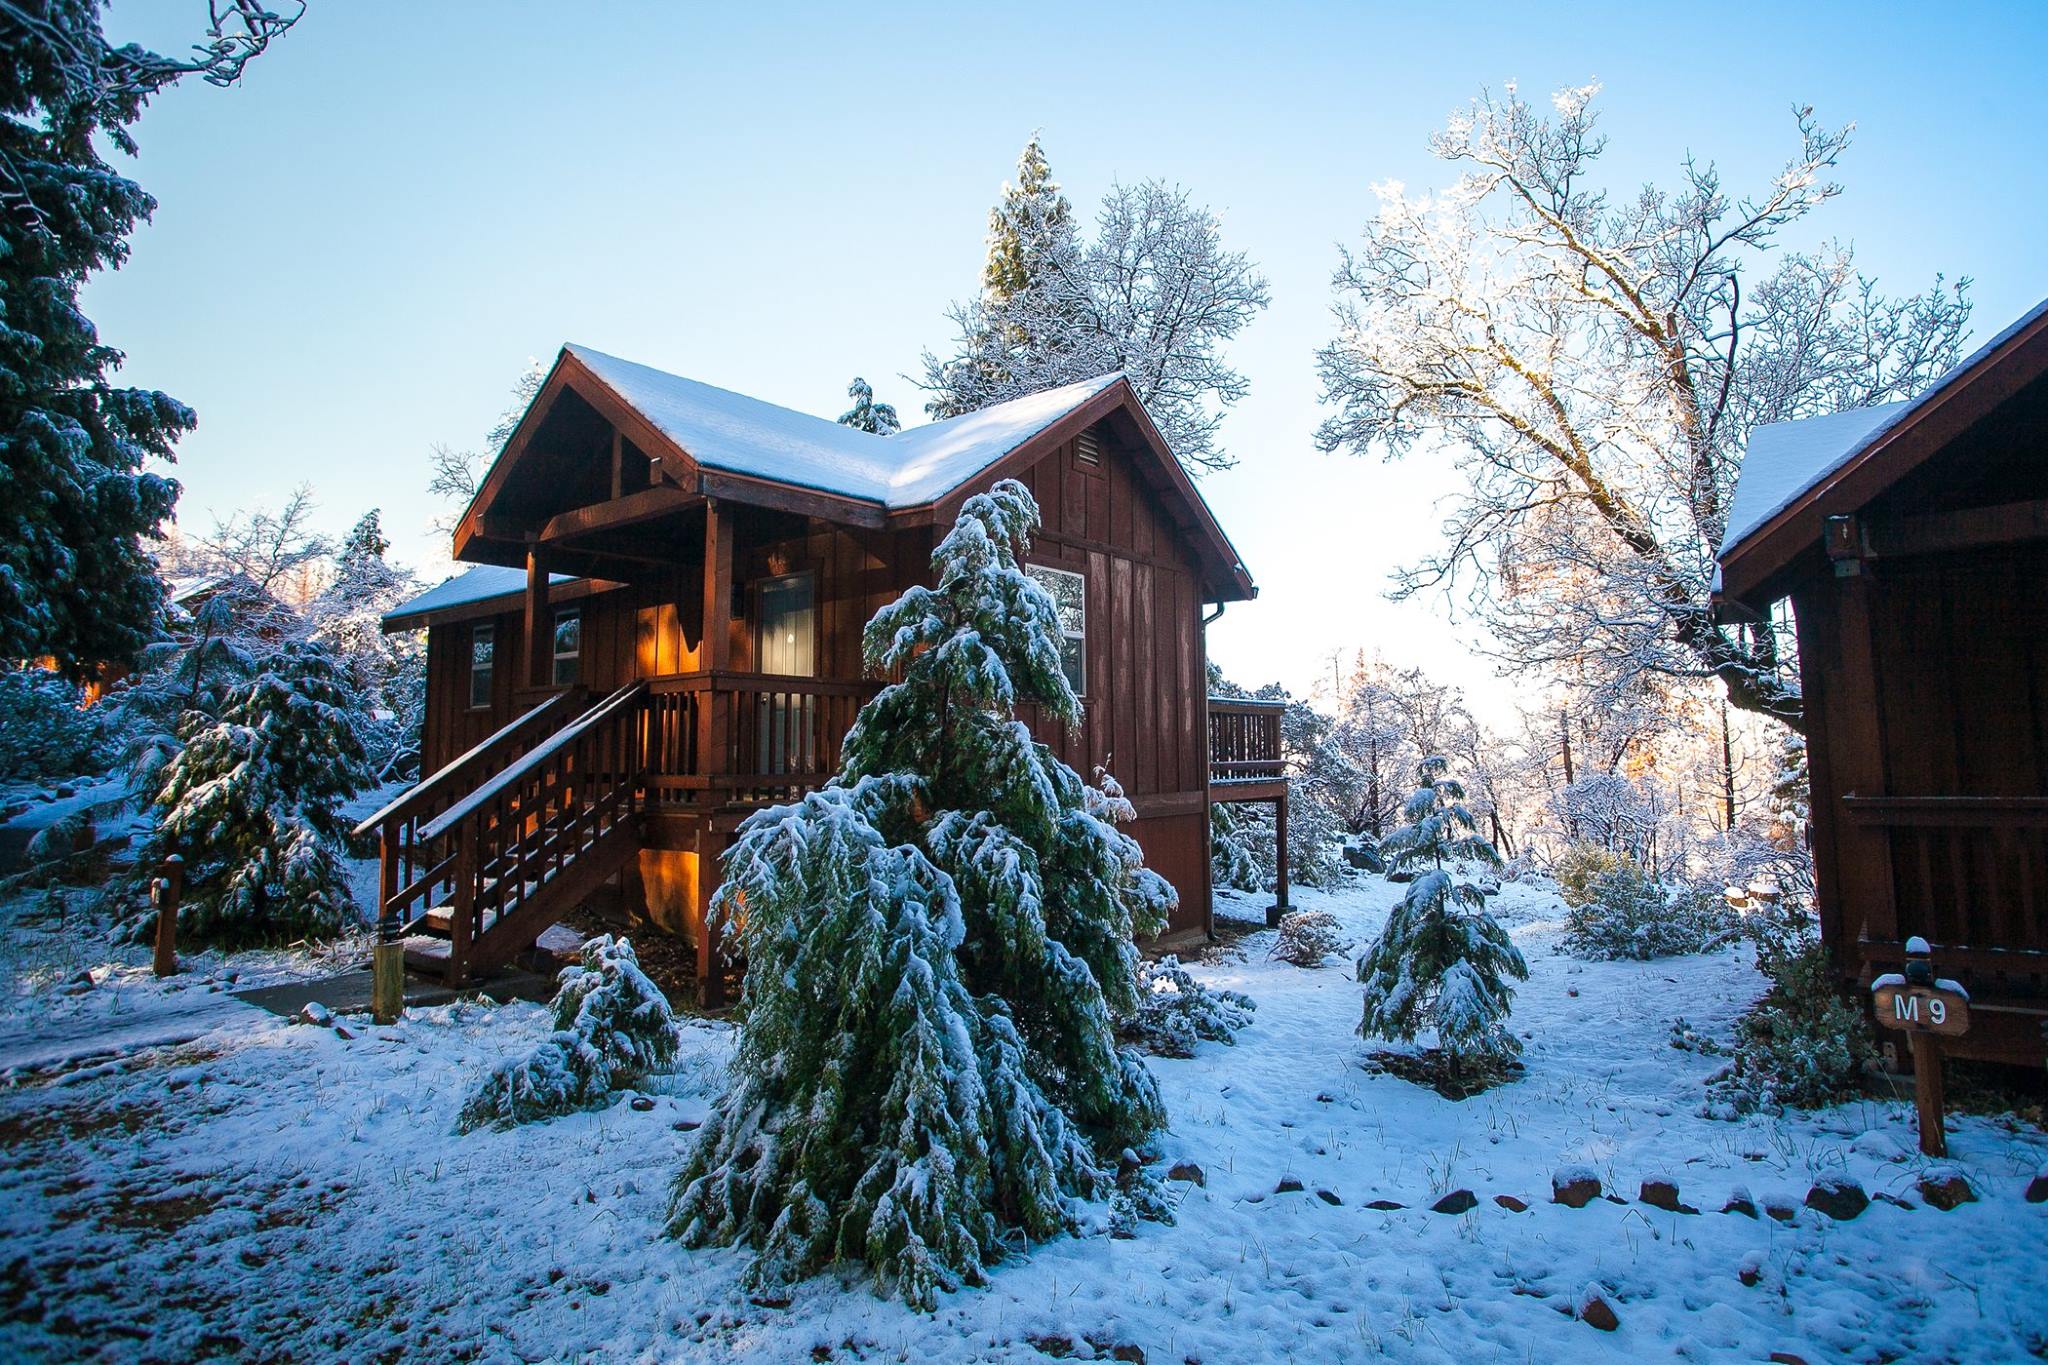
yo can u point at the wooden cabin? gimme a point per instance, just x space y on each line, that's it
1912 542
661 632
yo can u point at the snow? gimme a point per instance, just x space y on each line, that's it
1786 460
477 584
267 1189
740 435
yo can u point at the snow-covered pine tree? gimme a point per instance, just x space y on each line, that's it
1441 959
1030 231
937 943
388 672
251 802
612 1027
868 415
1154 295
76 584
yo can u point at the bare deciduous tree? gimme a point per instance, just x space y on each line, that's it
1595 366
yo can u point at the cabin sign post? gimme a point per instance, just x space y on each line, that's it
1926 1009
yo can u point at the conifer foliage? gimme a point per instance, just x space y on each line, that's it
613 1026
939 944
251 802
868 415
75 498
1441 960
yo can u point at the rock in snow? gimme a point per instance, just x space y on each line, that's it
1457 1201
1945 1188
1839 1197
1574 1186
1189 1171
313 1012
1595 1311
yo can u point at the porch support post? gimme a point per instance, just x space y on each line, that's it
710 957
1280 906
540 633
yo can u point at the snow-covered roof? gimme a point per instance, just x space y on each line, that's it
478 584
1787 460
731 432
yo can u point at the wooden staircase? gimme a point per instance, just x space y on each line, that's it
483 856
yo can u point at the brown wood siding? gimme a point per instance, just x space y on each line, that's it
1146 670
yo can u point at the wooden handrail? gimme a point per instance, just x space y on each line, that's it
530 760
728 680
430 786
1246 705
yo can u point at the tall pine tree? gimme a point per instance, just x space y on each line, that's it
76 584
1441 959
938 944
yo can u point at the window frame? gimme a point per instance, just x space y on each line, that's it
575 658
1080 636
486 633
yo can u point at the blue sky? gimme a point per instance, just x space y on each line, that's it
358 249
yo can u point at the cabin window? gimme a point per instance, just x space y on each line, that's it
568 645
1088 450
787 625
1069 593
483 646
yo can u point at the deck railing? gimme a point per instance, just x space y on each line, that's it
1244 740
769 737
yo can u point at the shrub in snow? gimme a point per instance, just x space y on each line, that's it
252 803
613 1026
1441 960
1307 937
938 944
1578 865
46 730
1803 1045
1175 1011
1627 915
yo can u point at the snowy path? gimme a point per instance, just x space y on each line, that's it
276 1189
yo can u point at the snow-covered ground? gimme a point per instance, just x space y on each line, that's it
219 1181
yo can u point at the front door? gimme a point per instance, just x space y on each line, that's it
785 643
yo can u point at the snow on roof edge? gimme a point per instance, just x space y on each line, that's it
1893 415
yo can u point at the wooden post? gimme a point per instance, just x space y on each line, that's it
540 633
1930 1093
1280 906
710 964
166 890
714 650
387 958
1925 1008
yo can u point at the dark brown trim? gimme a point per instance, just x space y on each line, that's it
501 605
1749 567
631 509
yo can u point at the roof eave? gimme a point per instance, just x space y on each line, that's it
1754 563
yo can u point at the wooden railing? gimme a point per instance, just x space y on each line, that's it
1244 740
510 837
412 871
717 738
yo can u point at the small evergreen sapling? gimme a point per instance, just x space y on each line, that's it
938 943
252 803
613 1026
1441 960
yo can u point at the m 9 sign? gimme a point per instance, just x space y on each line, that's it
1923 1009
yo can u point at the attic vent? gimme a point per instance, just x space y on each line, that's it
1088 451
